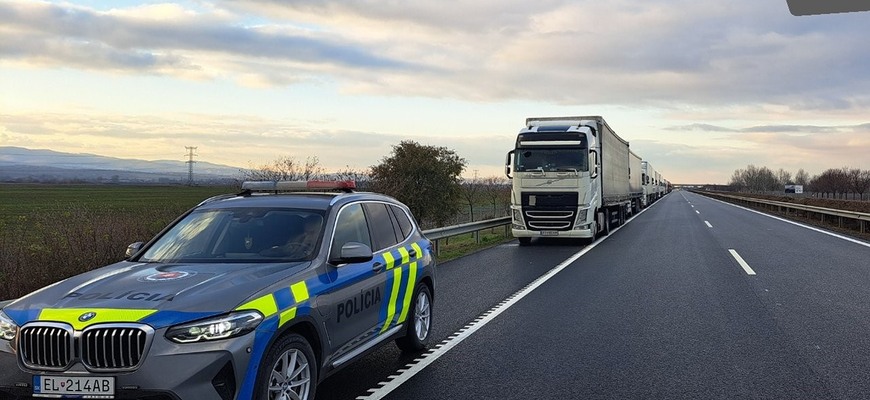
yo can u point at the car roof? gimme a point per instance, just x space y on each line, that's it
304 200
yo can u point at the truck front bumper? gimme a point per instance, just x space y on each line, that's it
576 233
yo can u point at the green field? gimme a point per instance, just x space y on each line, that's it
51 232
27 200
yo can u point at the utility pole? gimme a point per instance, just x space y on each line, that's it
190 162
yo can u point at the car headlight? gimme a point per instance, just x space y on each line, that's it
8 327
217 328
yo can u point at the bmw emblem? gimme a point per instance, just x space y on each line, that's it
87 316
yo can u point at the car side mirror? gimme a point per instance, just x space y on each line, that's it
353 252
133 249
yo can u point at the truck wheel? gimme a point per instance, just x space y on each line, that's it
420 322
525 241
289 370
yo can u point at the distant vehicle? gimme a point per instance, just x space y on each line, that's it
653 185
249 296
572 177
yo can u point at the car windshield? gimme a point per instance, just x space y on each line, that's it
240 235
552 160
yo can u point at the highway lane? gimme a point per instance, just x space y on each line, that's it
465 288
662 309
816 286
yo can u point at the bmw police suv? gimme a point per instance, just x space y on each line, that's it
259 295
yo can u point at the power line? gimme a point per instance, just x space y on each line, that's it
190 162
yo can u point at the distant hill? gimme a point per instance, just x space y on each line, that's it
18 164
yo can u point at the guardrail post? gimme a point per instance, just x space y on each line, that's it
477 237
862 225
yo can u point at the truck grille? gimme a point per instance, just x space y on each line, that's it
53 346
544 220
113 348
48 347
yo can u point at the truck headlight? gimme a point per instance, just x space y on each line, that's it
217 328
517 216
8 327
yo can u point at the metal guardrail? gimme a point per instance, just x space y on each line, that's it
438 234
862 218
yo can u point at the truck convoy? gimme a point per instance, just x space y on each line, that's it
574 177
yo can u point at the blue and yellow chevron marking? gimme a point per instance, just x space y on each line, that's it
283 301
409 291
394 293
400 284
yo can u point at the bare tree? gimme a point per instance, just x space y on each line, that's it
497 191
470 192
832 181
859 181
801 177
783 177
285 168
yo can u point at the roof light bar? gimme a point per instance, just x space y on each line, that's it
269 186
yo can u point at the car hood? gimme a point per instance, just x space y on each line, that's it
161 294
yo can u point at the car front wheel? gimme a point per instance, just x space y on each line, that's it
289 370
420 324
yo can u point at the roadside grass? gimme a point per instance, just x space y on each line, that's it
459 246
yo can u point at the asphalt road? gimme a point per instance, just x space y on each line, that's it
660 309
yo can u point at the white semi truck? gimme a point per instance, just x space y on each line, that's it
572 177
650 183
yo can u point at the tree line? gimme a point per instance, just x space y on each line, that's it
831 183
428 179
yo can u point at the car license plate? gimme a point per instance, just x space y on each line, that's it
549 233
89 387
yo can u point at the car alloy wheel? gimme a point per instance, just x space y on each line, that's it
422 316
290 377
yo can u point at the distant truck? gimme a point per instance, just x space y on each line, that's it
572 177
653 188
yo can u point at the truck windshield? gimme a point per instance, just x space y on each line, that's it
552 160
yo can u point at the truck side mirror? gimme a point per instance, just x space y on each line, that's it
507 164
593 160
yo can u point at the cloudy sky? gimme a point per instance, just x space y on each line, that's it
699 88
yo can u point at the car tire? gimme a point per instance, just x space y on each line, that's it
525 241
419 327
289 357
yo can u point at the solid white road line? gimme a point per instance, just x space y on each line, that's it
708 224
742 262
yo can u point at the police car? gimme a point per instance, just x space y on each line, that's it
259 295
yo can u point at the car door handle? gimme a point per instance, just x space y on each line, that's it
413 253
377 266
